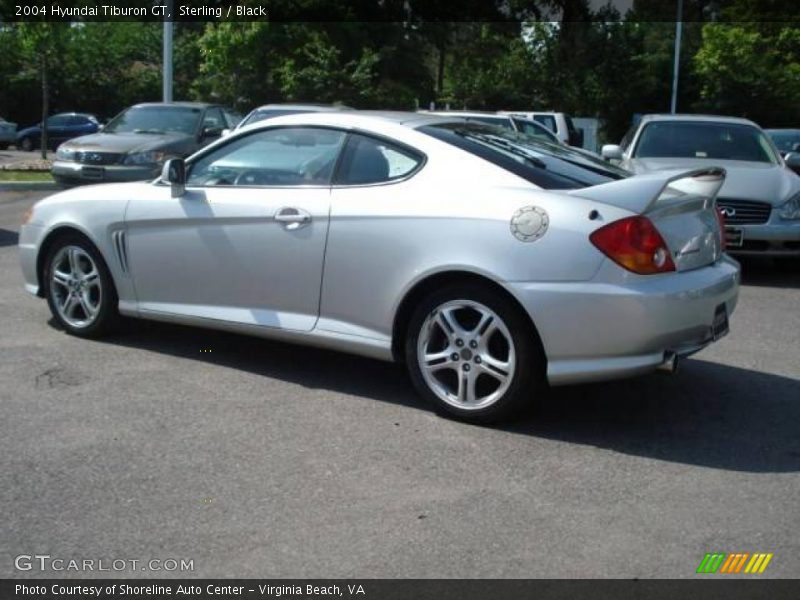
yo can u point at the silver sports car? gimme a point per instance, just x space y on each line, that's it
491 264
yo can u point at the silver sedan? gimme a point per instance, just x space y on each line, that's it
489 263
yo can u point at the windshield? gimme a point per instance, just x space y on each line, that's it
785 140
156 119
549 165
704 139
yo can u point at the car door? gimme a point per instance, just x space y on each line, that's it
246 241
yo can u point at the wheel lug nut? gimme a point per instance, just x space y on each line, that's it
473 344
478 360
454 356
459 343
467 367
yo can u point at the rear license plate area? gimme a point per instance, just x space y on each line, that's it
734 238
719 326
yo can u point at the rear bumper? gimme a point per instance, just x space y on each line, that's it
618 326
73 172
776 237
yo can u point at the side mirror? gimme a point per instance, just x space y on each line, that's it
611 152
226 132
174 173
793 161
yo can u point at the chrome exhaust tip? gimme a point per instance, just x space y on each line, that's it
670 364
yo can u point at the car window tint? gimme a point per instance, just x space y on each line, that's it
370 160
497 122
549 166
57 121
288 156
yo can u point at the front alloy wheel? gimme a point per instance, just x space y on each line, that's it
75 286
79 288
473 354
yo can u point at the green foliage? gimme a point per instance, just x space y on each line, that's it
750 72
591 64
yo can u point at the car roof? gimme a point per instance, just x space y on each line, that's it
355 118
463 113
698 118
307 107
783 130
184 104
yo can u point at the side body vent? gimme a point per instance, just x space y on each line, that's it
121 249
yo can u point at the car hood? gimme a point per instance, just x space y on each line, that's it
743 180
126 142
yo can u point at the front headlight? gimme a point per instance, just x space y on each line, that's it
65 154
791 210
145 158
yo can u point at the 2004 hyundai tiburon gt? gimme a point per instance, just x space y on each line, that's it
489 262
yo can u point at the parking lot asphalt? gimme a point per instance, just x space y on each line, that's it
262 459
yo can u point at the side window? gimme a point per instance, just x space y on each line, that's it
505 122
214 120
57 121
287 156
370 160
528 128
546 120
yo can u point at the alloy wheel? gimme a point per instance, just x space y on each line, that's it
466 354
75 286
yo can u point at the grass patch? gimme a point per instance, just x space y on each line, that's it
25 176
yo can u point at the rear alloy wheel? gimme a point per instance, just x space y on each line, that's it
472 354
79 288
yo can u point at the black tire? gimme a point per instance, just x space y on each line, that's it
3 146
107 317
26 145
524 384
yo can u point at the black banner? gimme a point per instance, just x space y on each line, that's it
403 589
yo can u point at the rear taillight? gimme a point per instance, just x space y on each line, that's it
635 244
721 221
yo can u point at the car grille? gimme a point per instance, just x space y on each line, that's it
741 212
98 158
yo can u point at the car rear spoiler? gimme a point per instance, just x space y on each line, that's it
641 193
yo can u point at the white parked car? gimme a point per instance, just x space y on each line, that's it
761 195
558 122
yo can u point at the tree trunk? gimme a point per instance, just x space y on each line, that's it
45 107
440 71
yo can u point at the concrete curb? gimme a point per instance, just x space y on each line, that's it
28 186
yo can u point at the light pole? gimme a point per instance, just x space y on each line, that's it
676 64
167 59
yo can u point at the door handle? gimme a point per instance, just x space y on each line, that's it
292 218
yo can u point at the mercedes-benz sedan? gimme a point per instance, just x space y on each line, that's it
488 262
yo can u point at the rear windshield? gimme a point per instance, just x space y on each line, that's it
156 119
548 165
704 139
